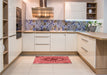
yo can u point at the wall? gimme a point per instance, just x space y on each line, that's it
57 4
100 9
29 5
58 8
48 25
100 13
19 3
105 16
23 15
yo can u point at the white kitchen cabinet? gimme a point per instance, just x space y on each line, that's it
1 61
87 48
58 41
1 55
28 42
19 45
75 10
42 42
12 17
71 42
12 48
1 16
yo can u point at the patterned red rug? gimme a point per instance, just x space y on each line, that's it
51 60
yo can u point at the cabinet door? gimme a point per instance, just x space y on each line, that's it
75 10
28 42
1 10
58 42
71 42
12 17
12 48
19 45
1 55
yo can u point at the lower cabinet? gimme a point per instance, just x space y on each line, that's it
28 42
42 42
12 48
87 49
19 45
49 42
1 55
71 42
58 41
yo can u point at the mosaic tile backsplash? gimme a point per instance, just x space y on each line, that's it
48 25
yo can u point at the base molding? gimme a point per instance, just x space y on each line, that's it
49 53
10 64
101 71
91 67
98 71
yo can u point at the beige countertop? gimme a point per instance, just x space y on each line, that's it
96 35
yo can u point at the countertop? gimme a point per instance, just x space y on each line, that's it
96 35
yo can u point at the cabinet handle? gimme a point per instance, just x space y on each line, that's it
42 36
42 44
84 49
12 35
85 40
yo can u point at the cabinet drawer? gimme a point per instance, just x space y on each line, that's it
84 39
84 51
87 48
42 40
42 47
42 34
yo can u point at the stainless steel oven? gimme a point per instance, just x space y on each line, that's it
18 23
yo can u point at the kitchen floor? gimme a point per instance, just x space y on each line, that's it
24 66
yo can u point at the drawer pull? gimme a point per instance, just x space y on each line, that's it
42 44
42 36
84 40
84 49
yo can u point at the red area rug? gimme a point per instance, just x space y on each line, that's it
51 60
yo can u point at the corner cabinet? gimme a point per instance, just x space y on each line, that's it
75 10
87 49
58 41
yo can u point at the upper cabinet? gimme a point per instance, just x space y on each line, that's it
12 17
91 10
75 10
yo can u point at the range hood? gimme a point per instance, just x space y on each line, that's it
43 11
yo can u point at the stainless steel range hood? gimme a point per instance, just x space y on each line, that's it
43 11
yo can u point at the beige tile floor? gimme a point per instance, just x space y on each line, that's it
24 66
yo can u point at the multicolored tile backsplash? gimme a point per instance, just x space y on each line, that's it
48 25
